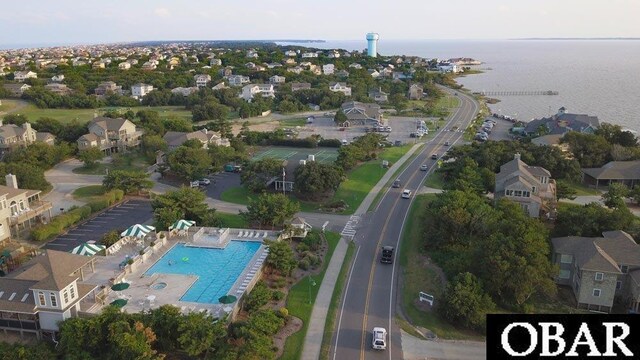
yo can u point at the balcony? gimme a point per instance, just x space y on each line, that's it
34 209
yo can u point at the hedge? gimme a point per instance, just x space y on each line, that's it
330 143
62 222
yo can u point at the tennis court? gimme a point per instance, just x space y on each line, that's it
323 155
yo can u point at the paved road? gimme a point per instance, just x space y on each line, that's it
369 298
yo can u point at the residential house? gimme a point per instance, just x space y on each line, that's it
175 139
45 137
21 76
328 69
226 71
290 53
16 89
47 290
149 65
98 65
340 87
215 62
139 90
361 113
252 54
531 187
57 88
277 79
449 68
185 91
273 65
601 271
265 90
12 136
624 172
355 66
238 80
378 95
300 86
124 65
110 135
399 75
342 73
290 61
20 209
310 55
562 123
373 73
57 78
333 54
202 80
415 92
221 85
295 70
108 87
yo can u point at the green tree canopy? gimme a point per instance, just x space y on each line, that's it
128 181
315 180
184 203
465 302
281 257
90 156
256 175
270 209
189 163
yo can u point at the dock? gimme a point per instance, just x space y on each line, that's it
518 93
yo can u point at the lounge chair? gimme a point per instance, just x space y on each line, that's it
241 234
264 235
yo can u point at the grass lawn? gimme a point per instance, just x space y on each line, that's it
129 162
7 105
232 220
241 195
33 113
87 193
300 304
363 178
434 180
332 313
582 190
416 277
293 122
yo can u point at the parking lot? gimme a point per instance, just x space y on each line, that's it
501 130
119 217
401 127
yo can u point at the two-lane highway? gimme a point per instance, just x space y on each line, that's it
369 299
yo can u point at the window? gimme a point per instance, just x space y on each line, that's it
533 190
565 274
526 194
66 296
624 269
54 301
508 192
618 285
599 276
1 229
72 291
41 299
566 259
596 292
517 193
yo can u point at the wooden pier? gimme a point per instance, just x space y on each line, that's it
518 93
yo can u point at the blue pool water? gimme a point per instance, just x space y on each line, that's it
217 269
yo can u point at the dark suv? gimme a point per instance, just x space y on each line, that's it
387 255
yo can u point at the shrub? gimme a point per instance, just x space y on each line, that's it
330 143
304 264
277 295
98 205
283 312
280 283
258 297
302 247
312 240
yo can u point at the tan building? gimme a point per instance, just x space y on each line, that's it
110 135
20 208
600 270
45 291
415 92
529 186
56 88
12 136
175 139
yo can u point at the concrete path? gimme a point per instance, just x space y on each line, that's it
417 349
315 331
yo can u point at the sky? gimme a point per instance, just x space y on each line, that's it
92 21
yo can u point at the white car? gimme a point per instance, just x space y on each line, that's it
406 194
424 167
379 341
204 182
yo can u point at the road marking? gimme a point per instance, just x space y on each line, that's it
94 226
353 265
350 227
107 217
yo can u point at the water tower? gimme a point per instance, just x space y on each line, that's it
372 44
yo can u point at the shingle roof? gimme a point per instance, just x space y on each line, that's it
562 123
600 254
11 130
619 170
52 270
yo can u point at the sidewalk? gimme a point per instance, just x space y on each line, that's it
315 331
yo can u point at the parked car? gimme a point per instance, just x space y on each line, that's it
379 341
204 182
406 194
194 184
424 167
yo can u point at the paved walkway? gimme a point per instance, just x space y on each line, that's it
315 331
416 349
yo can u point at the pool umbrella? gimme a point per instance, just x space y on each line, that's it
182 225
138 230
227 299
119 303
120 286
88 249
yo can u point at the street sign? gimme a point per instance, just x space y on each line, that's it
426 297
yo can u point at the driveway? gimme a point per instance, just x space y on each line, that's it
119 217
64 182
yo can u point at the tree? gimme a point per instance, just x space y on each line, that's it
615 195
129 342
256 175
340 118
151 144
90 156
281 257
265 321
189 163
270 209
164 321
222 155
128 181
29 176
259 296
17 119
564 191
465 302
398 101
184 203
198 333
315 180
110 238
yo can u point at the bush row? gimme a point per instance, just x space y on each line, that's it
61 222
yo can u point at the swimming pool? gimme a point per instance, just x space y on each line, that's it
217 269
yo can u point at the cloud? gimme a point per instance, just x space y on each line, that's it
162 12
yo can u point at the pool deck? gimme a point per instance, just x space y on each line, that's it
140 295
